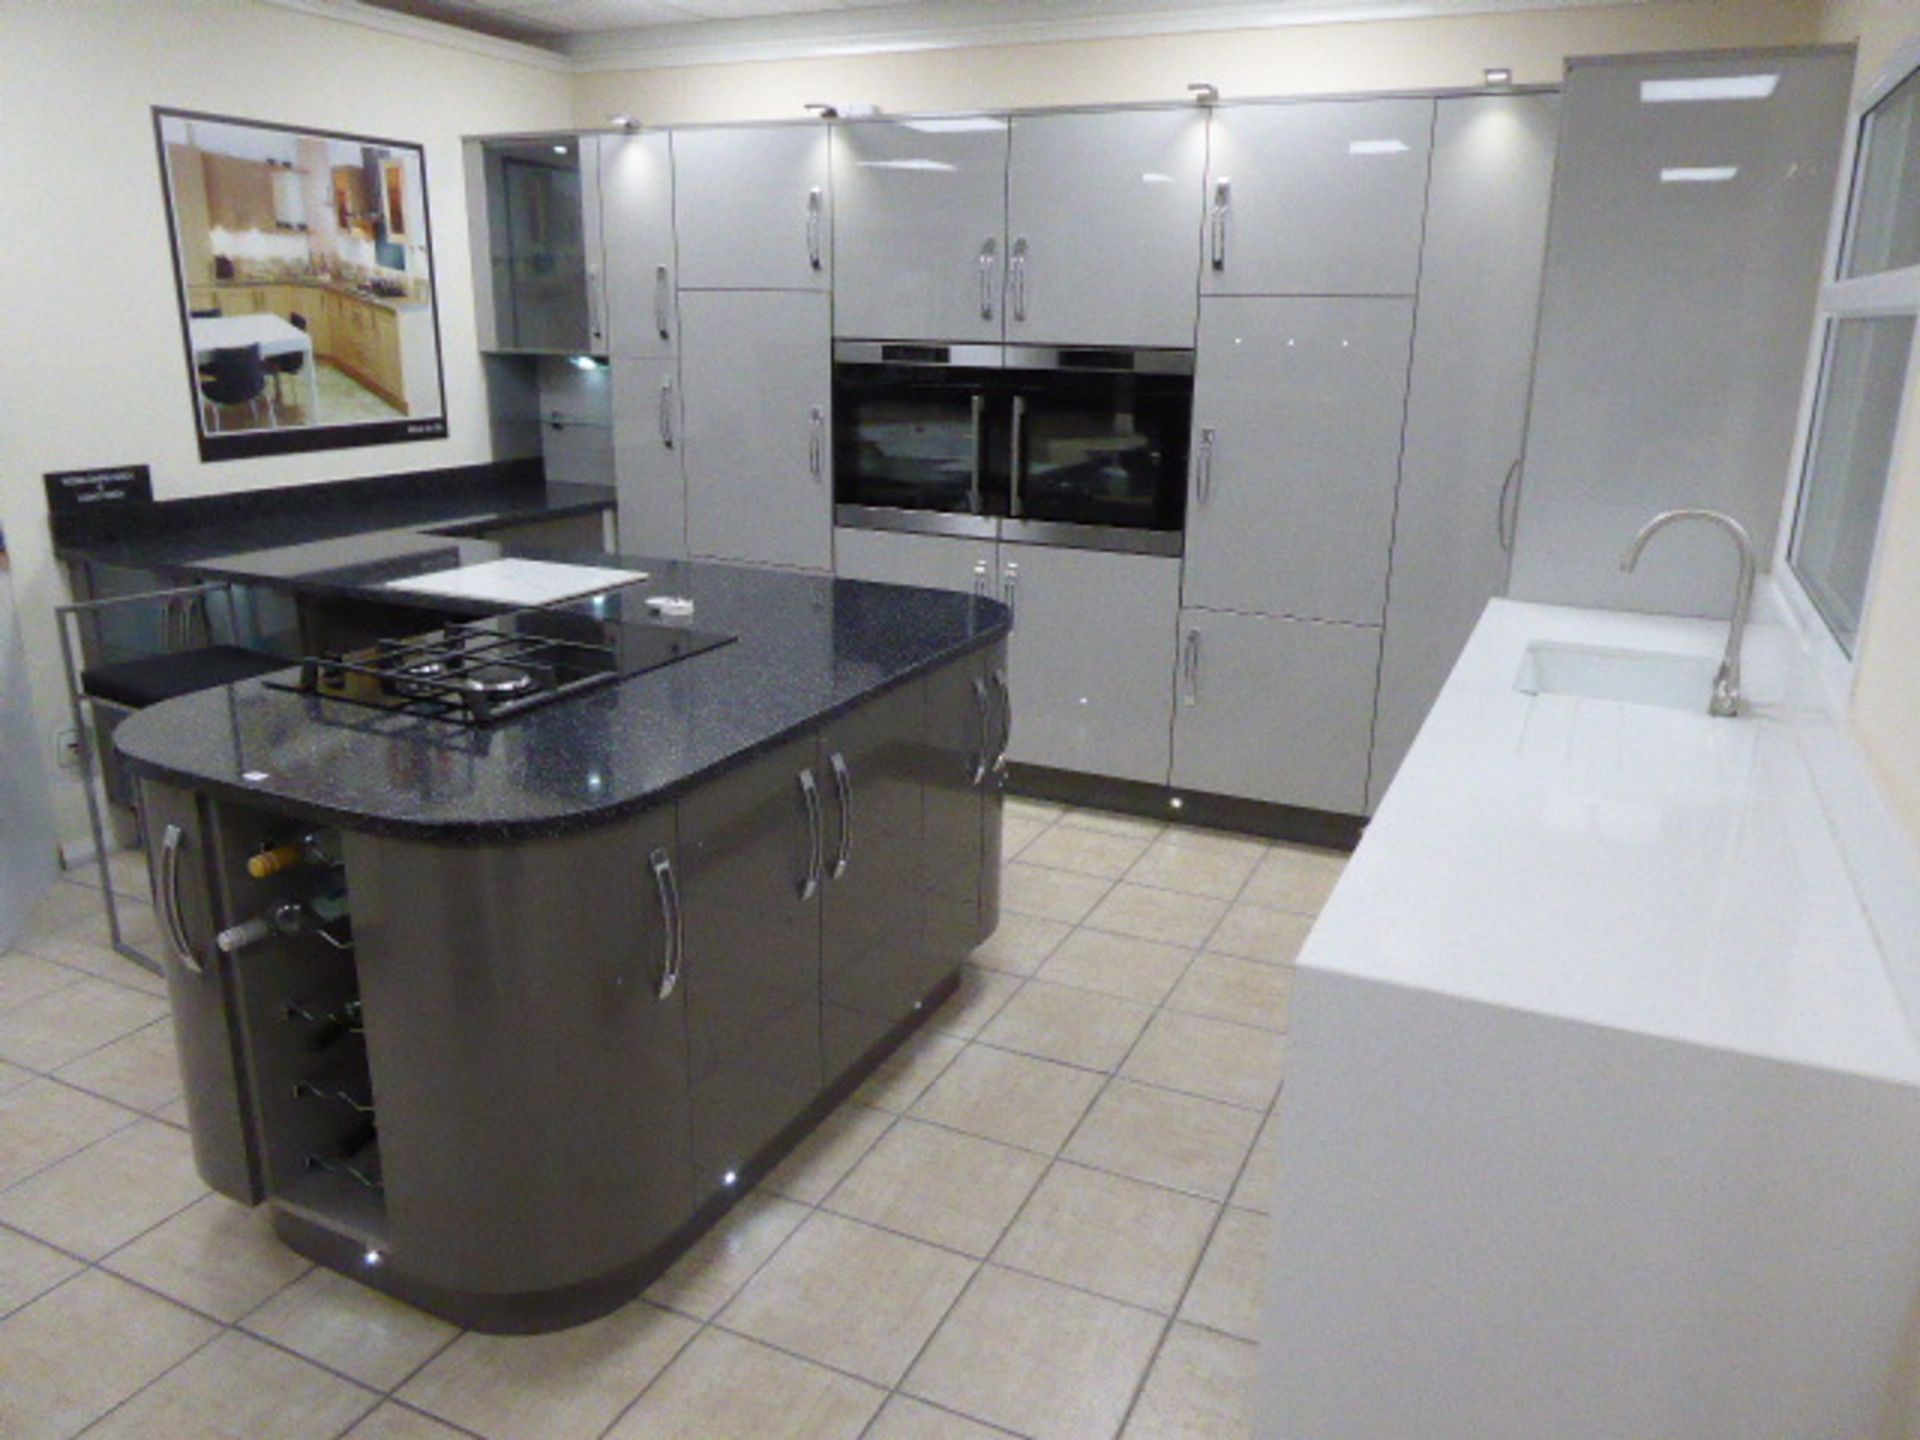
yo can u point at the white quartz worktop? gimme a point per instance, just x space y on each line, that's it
1659 872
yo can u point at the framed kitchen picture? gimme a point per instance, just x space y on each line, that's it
303 261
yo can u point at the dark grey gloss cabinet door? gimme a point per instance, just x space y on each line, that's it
180 852
526 1035
751 840
874 960
961 788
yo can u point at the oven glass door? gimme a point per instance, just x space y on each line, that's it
1101 448
918 438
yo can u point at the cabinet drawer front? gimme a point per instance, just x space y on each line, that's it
940 562
1324 198
1298 406
1275 710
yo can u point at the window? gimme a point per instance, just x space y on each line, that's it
1865 346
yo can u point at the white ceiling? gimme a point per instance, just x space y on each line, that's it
602 34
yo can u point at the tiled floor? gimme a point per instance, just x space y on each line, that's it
1042 1217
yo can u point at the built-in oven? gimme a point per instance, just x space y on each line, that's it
1048 445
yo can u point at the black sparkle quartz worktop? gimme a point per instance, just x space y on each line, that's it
411 511
807 648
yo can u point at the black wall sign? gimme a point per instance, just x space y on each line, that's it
75 492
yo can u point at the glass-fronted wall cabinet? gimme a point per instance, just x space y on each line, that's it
537 222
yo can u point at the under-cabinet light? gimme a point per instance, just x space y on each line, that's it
372 1257
1707 87
559 149
938 165
1497 75
583 362
729 1178
1175 803
1376 147
1697 174
955 124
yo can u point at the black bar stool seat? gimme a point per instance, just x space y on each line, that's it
150 679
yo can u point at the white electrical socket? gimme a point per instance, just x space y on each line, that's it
66 748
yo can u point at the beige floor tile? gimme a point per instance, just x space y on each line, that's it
722 1385
1295 877
1140 970
1020 943
1177 862
218 1256
128 869
1221 842
98 1199
1058 1022
28 1270
347 1327
905 1418
822 1160
1262 1176
12 1076
42 1122
1200 1388
74 1019
1230 1287
141 1070
1168 916
1085 852
1016 833
1225 988
974 1002
396 1422
26 977
566 1385
938 1185
1181 1141
1014 1099
903 1077
1049 894
1044 812
1254 932
1134 827
78 1351
174 1114
1235 1063
65 909
1117 1237
1037 1358
94 956
850 1296
722 1260
239 1389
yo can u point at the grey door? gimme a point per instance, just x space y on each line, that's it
636 240
1318 198
919 243
199 988
756 397
529 1074
753 207
875 964
892 557
1275 710
1467 400
647 428
1091 659
1103 227
753 954
1297 413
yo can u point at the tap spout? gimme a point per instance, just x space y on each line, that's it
1727 699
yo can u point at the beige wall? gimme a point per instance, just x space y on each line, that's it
1409 54
1886 705
93 371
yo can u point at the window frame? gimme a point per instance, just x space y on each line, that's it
1890 293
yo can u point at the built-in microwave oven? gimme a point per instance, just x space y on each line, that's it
1061 445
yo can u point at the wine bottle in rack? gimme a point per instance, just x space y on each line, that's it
290 917
313 848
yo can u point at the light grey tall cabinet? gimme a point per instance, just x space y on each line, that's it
1492 175
1311 259
753 209
643 321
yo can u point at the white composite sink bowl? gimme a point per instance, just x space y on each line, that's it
1627 677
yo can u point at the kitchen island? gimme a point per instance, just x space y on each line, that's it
507 1013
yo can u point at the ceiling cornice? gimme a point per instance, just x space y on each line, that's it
960 24
434 32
